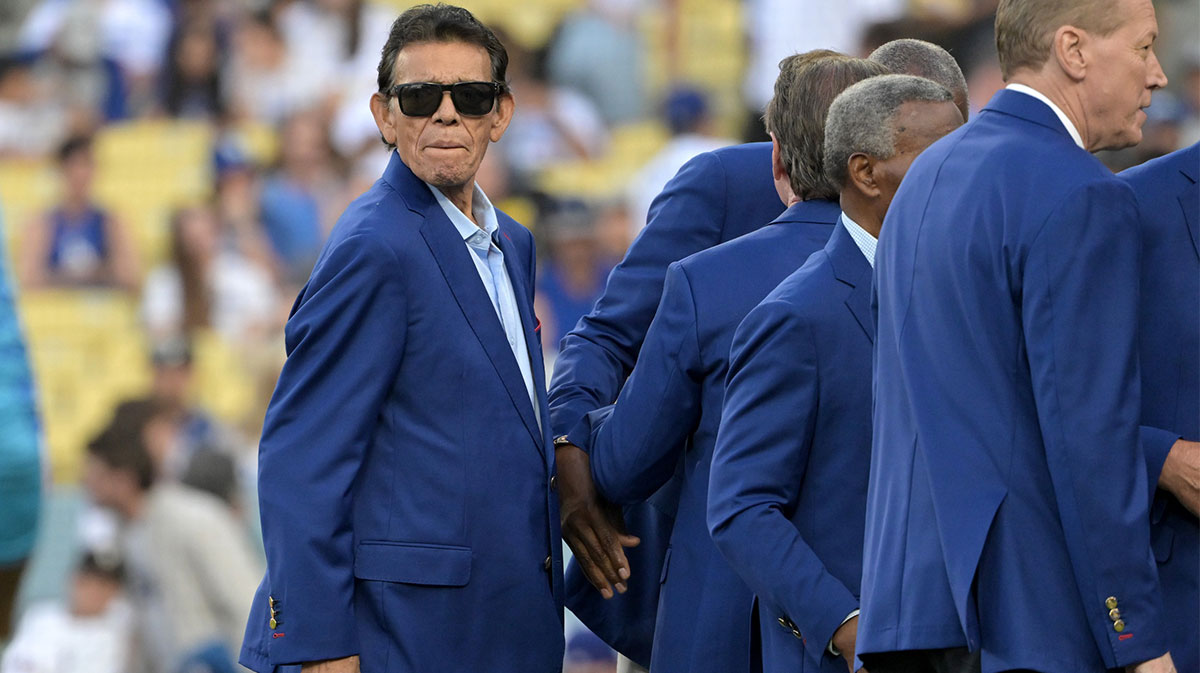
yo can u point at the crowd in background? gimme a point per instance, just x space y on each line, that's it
163 468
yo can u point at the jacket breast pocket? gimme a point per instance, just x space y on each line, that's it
413 563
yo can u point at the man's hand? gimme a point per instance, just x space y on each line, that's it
594 529
347 665
1181 474
1163 664
845 639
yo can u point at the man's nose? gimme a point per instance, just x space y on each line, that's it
446 112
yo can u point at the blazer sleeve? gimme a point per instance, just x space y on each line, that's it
635 451
345 339
1156 444
1080 308
767 425
595 358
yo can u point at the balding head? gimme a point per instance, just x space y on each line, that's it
875 130
907 56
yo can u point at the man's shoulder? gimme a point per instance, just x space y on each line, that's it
1158 172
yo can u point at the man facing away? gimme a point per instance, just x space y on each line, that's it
788 487
1168 197
664 424
1007 523
405 479
715 198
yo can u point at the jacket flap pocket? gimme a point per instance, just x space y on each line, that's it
413 563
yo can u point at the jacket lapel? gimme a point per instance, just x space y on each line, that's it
852 268
1189 205
453 258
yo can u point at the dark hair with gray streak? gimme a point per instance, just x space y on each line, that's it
907 56
862 119
439 23
806 85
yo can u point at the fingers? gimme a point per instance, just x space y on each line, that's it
593 561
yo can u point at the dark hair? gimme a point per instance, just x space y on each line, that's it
439 23
76 144
807 85
122 445
101 564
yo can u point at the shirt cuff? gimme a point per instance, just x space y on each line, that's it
833 650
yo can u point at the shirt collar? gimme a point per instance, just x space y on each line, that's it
481 207
865 241
1062 116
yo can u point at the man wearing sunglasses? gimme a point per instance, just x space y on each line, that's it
406 470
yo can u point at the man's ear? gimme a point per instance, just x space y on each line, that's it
778 172
860 171
1069 50
505 105
381 111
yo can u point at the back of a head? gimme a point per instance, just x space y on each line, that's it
807 84
908 56
861 120
1025 28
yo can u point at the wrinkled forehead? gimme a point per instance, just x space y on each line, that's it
442 62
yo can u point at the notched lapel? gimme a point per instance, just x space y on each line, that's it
853 269
1187 203
453 259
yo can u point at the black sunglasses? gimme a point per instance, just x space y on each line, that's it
421 99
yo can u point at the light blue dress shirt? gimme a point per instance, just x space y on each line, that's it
489 262
865 241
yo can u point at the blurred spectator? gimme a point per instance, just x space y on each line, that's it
92 634
301 197
776 29
191 430
78 243
586 653
132 33
264 84
236 202
554 124
573 272
191 574
31 125
615 83
192 85
20 448
208 285
335 45
1190 97
686 113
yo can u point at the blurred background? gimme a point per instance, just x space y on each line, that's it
169 170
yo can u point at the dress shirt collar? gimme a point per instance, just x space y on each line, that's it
865 241
1062 116
481 207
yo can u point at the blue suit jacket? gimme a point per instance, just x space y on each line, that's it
788 490
715 197
1007 502
403 478
665 423
1169 345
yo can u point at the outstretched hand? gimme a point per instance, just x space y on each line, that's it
593 528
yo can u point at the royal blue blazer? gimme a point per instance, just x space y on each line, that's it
404 481
664 425
1169 200
1007 509
716 197
788 490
